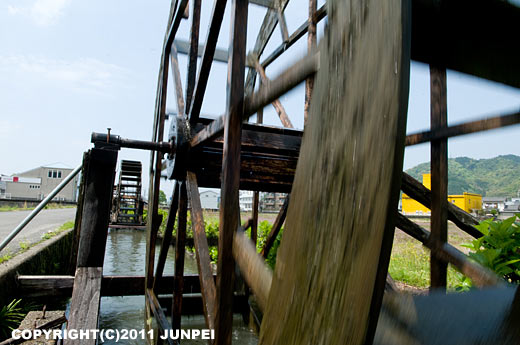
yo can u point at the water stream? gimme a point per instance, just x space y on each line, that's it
125 255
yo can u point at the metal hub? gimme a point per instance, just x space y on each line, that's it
178 135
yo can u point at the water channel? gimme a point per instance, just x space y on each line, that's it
125 255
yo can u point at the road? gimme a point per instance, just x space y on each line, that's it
46 220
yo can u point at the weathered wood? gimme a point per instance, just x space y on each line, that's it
283 25
167 237
480 275
282 114
229 210
264 3
439 170
207 59
37 286
254 220
365 62
180 249
280 218
193 53
47 325
264 34
287 80
157 311
462 219
96 209
84 306
464 128
177 80
311 46
247 224
253 267
79 213
207 283
477 37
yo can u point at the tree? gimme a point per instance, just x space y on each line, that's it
162 197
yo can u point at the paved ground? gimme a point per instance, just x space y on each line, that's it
46 220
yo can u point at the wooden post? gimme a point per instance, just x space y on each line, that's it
86 293
179 258
79 213
439 177
311 46
193 53
229 209
276 228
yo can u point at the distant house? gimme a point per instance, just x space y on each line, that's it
271 202
469 202
36 184
246 200
210 200
494 203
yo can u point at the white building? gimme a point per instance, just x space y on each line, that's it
246 200
494 202
37 183
210 200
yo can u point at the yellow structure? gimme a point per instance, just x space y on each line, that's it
469 202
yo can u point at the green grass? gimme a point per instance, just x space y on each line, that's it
50 206
410 264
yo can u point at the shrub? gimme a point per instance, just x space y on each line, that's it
499 247
10 317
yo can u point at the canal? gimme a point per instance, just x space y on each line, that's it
125 255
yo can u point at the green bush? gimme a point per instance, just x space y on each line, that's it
499 247
10 317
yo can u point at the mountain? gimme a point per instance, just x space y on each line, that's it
499 176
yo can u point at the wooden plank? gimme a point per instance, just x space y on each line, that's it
38 286
439 170
311 46
207 59
280 218
282 114
180 249
167 236
96 208
340 169
464 128
480 275
229 210
263 3
253 267
193 51
283 25
84 306
207 283
157 311
254 223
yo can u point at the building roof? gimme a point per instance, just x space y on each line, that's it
57 165
494 199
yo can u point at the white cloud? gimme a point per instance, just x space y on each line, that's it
43 12
85 74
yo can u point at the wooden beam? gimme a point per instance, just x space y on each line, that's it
39 286
263 3
207 283
282 114
311 46
439 177
180 249
229 208
253 267
162 322
177 81
462 219
464 128
264 34
79 213
84 306
167 237
280 218
193 52
294 75
207 59
283 25
480 275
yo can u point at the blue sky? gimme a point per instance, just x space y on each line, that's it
72 67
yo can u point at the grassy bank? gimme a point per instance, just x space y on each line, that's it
50 206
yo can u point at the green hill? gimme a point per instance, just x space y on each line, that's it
499 176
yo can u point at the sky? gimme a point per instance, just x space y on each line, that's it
69 68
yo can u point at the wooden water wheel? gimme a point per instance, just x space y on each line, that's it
344 174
